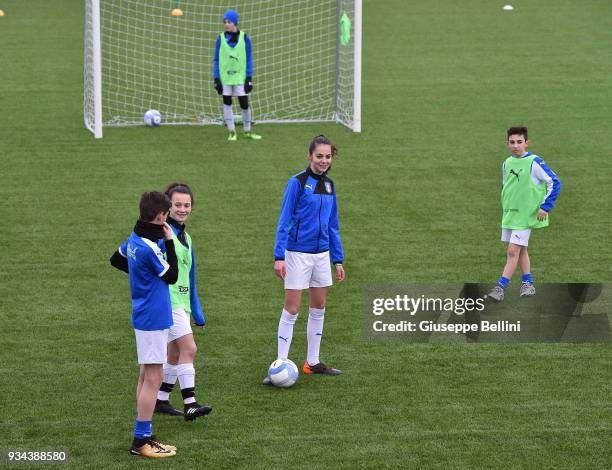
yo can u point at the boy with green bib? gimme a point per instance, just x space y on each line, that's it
233 73
529 192
185 303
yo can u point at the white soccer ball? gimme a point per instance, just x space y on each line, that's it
283 373
152 118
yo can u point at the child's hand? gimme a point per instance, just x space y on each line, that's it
542 214
218 86
340 273
167 231
279 269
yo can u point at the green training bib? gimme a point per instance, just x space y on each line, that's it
520 196
232 61
179 291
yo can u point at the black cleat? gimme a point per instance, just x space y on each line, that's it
193 410
164 407
320 368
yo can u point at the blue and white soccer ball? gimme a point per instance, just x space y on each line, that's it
152 118
283 373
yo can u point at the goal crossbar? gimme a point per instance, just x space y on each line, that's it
137 56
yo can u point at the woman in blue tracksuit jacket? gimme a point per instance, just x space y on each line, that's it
307 240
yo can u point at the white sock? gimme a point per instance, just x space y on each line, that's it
186 377
314 332
228 114
170 379
285 333
246 119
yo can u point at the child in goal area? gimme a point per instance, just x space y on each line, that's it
233 73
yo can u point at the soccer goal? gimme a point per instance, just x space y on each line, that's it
138 56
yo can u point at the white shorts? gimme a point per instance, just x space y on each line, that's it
151 346
181 326
306 270
518 237
234 90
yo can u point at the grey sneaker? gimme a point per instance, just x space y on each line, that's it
527 289
497 294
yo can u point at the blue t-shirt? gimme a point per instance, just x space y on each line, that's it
151 307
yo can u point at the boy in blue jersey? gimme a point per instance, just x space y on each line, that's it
150 274
307 240
529 192
233 73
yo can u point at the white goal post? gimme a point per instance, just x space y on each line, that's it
137 56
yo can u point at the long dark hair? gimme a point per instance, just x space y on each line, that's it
321 139
178 187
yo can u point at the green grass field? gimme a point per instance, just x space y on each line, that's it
418 195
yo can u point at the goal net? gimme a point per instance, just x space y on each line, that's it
137 56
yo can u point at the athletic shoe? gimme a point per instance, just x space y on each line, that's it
232 137
164 407
167 446
152 449
497 294
193 410
527 289
267 380
320 368
252 136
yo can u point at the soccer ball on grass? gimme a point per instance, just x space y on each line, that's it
152 118
283 373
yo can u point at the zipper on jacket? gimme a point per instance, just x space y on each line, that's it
320 207
297 230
